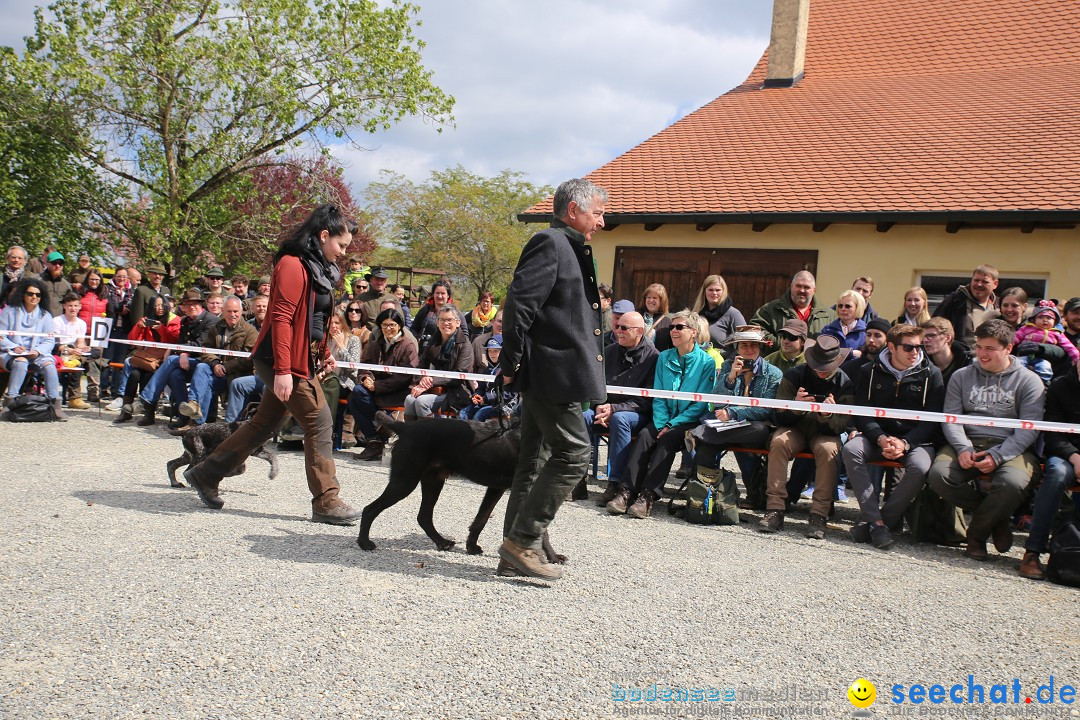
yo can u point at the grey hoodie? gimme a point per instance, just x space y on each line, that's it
1015 392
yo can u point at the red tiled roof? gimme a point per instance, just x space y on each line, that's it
906 106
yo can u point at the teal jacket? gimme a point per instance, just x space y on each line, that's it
694 372
764 384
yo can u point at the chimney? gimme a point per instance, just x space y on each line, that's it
787 44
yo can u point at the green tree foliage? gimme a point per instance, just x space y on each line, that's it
456 220
186 99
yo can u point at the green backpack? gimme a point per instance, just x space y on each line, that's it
712 498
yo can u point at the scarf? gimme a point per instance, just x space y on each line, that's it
13 276
446 353
711 315
480 320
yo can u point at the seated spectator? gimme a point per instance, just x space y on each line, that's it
947 354
119 291
745 374
819 380
157 324
425 324
480 362
684 368
971 305
95 303
876 332
478 320
606 297
997 385
915 308
259 304
21 317
262 289
714 304
485 398
618 309
14 271
900 377
1071 318
336 381
849 327
628 362
394 347
214 373
1061 470
240 285
451 351
72 348
1042 329
356 321
792 338
653 308
215 303
797 304
194 327
1014 307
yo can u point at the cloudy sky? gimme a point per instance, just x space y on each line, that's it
552 89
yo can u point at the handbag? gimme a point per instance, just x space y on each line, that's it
30 408
148 358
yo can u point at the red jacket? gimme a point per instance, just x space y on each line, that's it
168 333
287 315
92 307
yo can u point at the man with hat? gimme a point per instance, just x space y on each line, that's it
376 291
618 309
155 275
78 276
820 381
214 280
56 285
178 368
37 264
792 337
745 374
262 289
902 377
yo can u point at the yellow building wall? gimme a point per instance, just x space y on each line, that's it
894 259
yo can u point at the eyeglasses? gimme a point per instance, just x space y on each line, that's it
354 310
389 326
447 321
931 336
624 328
32 294
679 327
909 347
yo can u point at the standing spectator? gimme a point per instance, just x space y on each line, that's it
1014 306
556 365
997 385
942 348
77 277
425 326
262 289
402 296
376 291
259 304
900 377
849 327
797 304
120 292
37 265
865 287
480 342
1071 319
914 312
155 275
55 283
213 281
969 306
820 380
478 320
95 304
14 271
240 288
714 304
877 331
26 321
159 325
792 338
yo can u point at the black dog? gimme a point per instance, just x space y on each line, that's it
430 450
201 440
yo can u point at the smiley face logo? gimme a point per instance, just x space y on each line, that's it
862 693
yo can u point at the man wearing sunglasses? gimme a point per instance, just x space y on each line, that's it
901 377
56 284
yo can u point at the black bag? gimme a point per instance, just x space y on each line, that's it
30 408
1063 567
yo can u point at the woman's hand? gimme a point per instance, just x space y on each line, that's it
283 387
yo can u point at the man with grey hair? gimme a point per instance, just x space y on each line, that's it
14 271
557 364
798 302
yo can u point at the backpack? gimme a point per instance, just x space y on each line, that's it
30 408
713 503
1063 567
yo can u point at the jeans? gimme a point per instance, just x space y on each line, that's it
206 387
1057 476
363 408
622 426
151 392
242 391
19 367
114 353
860 451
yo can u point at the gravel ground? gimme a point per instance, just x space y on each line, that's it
124 598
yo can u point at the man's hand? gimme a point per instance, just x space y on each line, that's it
184 361
219 370
1074 460
330 364
602 414
984 463
966 459
283 387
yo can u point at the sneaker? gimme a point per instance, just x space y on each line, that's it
815 529
860 533
841 495
881 537
191 409
1030 567
528 562
808 493
117 404
642 507
77 403
609 494
340 513
620 502
772 522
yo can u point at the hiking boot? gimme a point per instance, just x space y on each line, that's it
92 396
685 467
528 561
815 528
77 403
976 550
642 507
609 494
373 451
147 412
1030 567
881 537
1002 536
340 513
860 533
58 410
207 493
125 415
772 522
581 490
621 501
191 409
505 569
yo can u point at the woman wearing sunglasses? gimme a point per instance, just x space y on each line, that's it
849 327
683 368
22 317
356 321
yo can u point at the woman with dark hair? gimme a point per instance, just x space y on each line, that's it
24 318
289 353
478 320
714 304
356 321
157 324
425 326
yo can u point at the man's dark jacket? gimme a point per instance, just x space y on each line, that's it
241 337
956 307
195 332
631 368
920 388
1063 405
552 332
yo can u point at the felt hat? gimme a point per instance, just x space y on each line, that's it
159 269
826 354
215 273
795 327
377 272
192 295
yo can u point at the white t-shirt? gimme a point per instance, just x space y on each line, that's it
69 333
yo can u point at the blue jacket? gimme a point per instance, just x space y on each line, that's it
763 384
16 318
694 372
854 339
